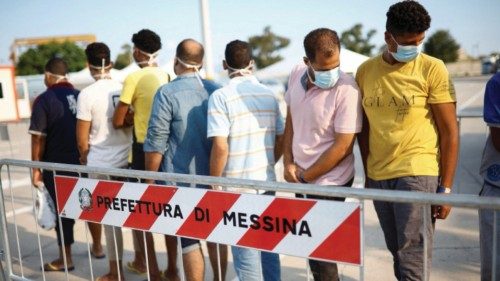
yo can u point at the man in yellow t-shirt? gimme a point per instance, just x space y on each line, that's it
134 109
409 139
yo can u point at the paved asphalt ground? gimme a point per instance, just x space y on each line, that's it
455 251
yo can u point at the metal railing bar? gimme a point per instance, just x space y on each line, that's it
457 200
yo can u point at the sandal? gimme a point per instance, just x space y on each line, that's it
52 267
98 257
131 267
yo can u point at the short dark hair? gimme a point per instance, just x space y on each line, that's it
57 66
147 41
190 55
407 17
238 54
96 52
322 40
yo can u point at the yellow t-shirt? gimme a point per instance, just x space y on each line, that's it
139 90
403 137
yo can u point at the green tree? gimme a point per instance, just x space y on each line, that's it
124 58
354 40
442 46
34 59
266 46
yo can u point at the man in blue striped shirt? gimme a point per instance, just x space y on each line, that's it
246 127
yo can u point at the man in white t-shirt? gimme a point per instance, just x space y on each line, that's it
101 145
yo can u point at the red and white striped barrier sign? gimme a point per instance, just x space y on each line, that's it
324 230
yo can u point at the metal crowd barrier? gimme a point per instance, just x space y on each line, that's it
424 199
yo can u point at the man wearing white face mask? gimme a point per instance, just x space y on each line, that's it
177 141
324 115
246 127
410 137
101 145
53 139
139 89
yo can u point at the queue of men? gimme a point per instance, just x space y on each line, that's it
400 107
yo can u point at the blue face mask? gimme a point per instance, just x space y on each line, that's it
325 79
406 53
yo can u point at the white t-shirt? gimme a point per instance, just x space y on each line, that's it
109 147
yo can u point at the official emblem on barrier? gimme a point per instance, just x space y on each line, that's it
85 198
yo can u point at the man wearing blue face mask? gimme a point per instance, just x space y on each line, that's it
409 140
324 115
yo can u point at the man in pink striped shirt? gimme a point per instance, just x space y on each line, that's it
324 115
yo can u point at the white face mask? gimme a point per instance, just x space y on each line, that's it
59 77
243 71
103 68
196 68
151 60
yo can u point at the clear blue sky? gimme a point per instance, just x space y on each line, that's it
474 24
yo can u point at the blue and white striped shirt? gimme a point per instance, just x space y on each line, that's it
248 114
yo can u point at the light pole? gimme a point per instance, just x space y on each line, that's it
207 39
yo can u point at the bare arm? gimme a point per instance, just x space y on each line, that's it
37 151
278 147
152 162
364 147
288 161
446 121
122 116
340 149
218 156
82 139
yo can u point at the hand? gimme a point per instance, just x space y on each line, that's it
290 173
298 172
148 181
37 177
129 118
216 187
83 159
441 212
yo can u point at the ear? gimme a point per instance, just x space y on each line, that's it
389 41
306 60
387 37
224 64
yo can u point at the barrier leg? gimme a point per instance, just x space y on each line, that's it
88 245
63 248
146 253
425 214
362 267
308 270
4 234
87 230
118 258
180 259
63 245
15 222
219 269
37 229
494 252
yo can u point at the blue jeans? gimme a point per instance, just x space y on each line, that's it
248 264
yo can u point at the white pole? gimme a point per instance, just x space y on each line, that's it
207 39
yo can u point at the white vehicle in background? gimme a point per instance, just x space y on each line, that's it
14 105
